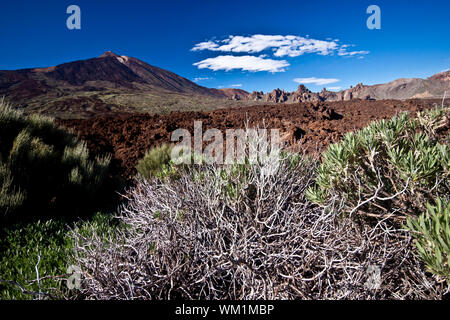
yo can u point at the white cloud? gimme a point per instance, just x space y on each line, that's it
231 86
351 53
334 88
288 45
201 79
316 81
246 63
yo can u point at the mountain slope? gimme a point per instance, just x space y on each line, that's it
161 78
108 70
432 87
415 88
108 83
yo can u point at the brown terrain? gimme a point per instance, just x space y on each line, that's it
124 106
310 126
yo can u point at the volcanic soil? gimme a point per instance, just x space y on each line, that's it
303 126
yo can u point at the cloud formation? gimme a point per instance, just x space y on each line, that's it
291 46
245 63
316 81
343 51
202 79
334 88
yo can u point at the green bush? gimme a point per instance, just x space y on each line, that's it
22 245
432 237
10 199
44 168
393 165
157 163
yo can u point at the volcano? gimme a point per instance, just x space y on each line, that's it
108 83
109 70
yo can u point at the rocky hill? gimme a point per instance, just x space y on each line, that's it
430 88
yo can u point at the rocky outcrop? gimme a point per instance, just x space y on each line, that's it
432 87
277 96
302 94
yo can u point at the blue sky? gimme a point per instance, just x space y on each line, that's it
237 39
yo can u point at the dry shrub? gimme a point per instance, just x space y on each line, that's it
247 232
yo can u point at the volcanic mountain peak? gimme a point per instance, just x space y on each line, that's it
109 54
122 59
108 77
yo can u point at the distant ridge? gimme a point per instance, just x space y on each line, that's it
400 89
114 83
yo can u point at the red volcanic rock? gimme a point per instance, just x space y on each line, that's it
309 126
276 96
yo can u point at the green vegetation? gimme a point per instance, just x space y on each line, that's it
47 181
391 169
394 165
49 242
157 163
22 246
45 169
432 234
190 228
10 199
